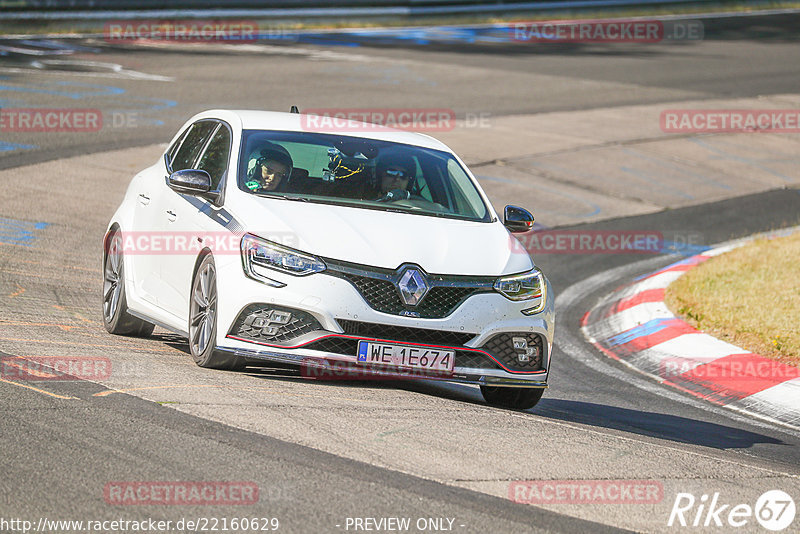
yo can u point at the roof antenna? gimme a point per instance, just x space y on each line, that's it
294 110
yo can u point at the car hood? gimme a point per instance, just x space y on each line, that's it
384 239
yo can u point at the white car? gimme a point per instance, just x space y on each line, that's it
367 248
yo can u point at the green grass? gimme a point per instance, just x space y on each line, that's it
749 297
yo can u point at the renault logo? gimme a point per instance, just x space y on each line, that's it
412 287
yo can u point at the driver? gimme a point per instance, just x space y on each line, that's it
268 168
395 175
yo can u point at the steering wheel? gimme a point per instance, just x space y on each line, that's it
394 195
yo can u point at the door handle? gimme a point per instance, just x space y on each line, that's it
144 200
171 215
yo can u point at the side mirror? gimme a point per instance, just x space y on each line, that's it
517 219
192 182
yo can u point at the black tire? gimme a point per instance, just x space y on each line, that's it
203 320
513 398
116 318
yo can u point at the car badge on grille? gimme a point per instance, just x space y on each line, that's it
412 287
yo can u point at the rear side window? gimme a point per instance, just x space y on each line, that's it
192 145
215 159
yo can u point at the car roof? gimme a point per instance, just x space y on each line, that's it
298 122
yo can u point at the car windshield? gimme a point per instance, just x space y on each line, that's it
358 172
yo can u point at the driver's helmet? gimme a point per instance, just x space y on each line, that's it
270 151
394 159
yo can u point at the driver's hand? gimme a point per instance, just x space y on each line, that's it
395 194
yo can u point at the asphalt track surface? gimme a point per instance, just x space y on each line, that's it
321 453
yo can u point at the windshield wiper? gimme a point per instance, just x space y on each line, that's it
284 197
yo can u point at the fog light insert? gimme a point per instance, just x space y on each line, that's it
524 352
271 323
280 317
518 351
264 318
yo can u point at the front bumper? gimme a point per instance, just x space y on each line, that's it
336 317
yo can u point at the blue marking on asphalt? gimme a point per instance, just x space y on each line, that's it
420 36
6 103
741 159
653 181
328 42
685 261
671 165
159 103
684 249
645 329
8 147
595 208
24 233
102 90
155 104
58 45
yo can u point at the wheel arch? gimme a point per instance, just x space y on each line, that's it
200 257
113 227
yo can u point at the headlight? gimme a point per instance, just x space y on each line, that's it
525 286
259 255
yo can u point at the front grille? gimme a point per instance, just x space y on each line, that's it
349 347
336 345
381 295
253 322
404 333
378 287
501 346
441 301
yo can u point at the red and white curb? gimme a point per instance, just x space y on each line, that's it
634 326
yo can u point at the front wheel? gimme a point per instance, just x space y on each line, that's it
514 398
203 320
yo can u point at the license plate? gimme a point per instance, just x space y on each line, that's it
406 356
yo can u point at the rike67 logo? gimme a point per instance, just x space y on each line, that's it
774 510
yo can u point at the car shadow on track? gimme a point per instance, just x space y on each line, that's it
657 425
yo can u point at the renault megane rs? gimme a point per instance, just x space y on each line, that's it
260 239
